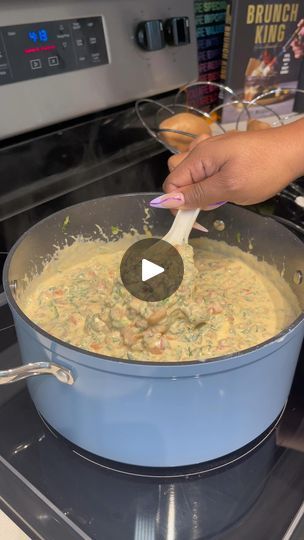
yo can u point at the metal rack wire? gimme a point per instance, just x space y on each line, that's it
151 121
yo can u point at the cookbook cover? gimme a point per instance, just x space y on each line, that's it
262 53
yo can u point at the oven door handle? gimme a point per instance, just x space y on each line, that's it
62 374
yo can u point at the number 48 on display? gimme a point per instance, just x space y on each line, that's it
41 35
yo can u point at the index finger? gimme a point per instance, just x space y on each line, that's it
189 171
170 184
198 140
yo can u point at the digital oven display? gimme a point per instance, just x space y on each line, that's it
30 51
41 36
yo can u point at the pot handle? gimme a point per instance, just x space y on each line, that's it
297 228
62 374
3 299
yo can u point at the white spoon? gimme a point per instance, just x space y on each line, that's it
181 227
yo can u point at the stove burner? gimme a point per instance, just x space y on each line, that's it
170 472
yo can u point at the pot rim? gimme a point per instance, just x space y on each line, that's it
217 359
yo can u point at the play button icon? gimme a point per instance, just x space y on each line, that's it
151 269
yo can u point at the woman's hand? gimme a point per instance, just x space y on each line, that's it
240 167
297 44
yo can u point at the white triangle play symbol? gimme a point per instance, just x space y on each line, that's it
150 270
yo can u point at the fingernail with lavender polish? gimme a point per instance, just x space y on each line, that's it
217 204
199 227
169 200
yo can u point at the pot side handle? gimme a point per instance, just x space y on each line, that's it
62 374
3 299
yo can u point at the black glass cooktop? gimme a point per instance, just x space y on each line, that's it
55 491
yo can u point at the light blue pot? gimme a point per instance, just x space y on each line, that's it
160 415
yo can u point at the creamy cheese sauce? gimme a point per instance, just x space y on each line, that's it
228 301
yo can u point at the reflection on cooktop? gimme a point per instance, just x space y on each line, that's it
62 493
172 473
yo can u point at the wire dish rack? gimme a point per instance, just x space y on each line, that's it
152 113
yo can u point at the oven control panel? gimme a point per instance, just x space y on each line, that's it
63 59
31 51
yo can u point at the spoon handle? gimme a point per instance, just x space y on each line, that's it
181 226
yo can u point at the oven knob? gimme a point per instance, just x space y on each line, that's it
150 35
177 31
